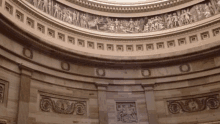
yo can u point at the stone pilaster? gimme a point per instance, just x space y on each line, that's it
103 111
24 95
150 103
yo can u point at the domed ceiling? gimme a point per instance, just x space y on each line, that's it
127 2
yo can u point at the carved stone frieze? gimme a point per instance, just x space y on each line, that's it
194 104
126 112
2 90
145 24
63 106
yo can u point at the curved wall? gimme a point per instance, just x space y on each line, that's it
41 83
153 45
153 92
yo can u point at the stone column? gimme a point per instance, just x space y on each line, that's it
24 95
103 111
150 103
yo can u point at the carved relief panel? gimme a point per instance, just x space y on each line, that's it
63 105
2 89
194 104
3 92
164 21
126 112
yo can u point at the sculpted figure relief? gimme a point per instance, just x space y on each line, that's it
169 20
57 11
45 6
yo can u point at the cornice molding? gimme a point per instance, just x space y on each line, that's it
128 8
27 39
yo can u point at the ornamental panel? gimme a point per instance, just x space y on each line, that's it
2 91
126 112
63 106
194 104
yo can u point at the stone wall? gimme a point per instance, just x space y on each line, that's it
37 87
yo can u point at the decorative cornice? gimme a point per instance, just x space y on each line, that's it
35 43
128 8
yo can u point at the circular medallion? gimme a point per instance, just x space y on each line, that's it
28 53
100 72
45 104
145 73
185 68
174 108
65 66
213 103
80 109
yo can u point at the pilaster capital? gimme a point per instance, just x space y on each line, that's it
101 86
25 70
148 87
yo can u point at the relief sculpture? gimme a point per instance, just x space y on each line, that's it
194 104
63 106
126 112
169 20
1 93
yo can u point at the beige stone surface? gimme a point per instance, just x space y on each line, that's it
150 94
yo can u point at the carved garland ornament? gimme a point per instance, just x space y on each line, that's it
62 106
169 20
194 104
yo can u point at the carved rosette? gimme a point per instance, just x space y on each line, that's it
193 104
62 106
80 108
46 104
1 93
